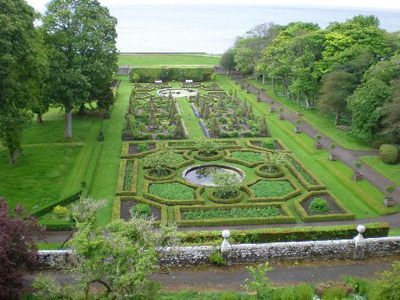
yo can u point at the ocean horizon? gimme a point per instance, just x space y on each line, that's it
213 28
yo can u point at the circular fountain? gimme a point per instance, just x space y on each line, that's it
202 174
177 93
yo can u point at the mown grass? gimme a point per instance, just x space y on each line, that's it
324 124
391 172
394 232
140 60
363 199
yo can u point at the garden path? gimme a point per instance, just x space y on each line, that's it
345 155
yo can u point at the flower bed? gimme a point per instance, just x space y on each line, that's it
262 172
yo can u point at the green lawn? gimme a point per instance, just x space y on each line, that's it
391 172
394 232
363 199
324 124
140 60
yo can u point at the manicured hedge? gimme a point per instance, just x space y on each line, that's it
212 197
346 215
57 225
218 156
197 194
192 145
389 154
296 191
304 175
290 234
125 150
152 178
117 208
229 158
286 217
121 178
151 74
251 146
260 173
62 202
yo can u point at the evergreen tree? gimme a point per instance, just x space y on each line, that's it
263 129
215 129
179 131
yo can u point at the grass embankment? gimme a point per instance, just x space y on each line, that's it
391 172
51 167
325 124
141 60
363 199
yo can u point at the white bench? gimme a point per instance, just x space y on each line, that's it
189 81
158 81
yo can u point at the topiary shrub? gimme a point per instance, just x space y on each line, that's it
319 205
60 211
142 147
141 210
269 144
388 154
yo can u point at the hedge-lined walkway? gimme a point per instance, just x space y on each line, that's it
345 155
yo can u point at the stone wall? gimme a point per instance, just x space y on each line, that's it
248 253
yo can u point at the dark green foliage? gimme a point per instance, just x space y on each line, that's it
301 170
389 154
172 191
128 175
268 144
270 189
388 285
142 147
179 131
247 156
62 202
141 210
360 286
172 73
234 213
228 61
319 205
216 258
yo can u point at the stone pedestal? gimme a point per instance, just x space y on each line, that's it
271 110
318 146
297 130
281 117
357 176
388 201
359 250
333 157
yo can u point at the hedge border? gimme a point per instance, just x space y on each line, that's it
230 144
121 178
287 216
346 215
117 208
198 200
249 145
289 234
57 225
186 155
200 157
62 202
152 178
318 186
228 158
125 150
259 173
211 196
296 191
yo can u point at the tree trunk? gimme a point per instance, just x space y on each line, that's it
337 117
298 98
12 157
82 109
229 71
39 118
68 125
308 103
263 79
274 85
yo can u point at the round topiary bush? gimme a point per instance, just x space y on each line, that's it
60 211
388 154
319 205
141 210
268 144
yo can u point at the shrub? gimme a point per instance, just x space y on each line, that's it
234 213
334 293
249 157
227 185
142 147
388 154
388 286
216 258
60 211
304 292
229 296
360 286
141 210
207 146
319 205
269 144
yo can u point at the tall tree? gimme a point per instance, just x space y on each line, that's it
391 110
80 36
20 63
228 61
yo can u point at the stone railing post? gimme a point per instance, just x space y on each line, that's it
359 250
226 246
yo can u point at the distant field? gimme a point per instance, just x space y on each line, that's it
167 59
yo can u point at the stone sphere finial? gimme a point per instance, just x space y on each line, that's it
361 228
226 234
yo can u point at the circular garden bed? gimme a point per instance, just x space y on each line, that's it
126 206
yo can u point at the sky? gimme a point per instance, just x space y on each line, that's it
387 4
